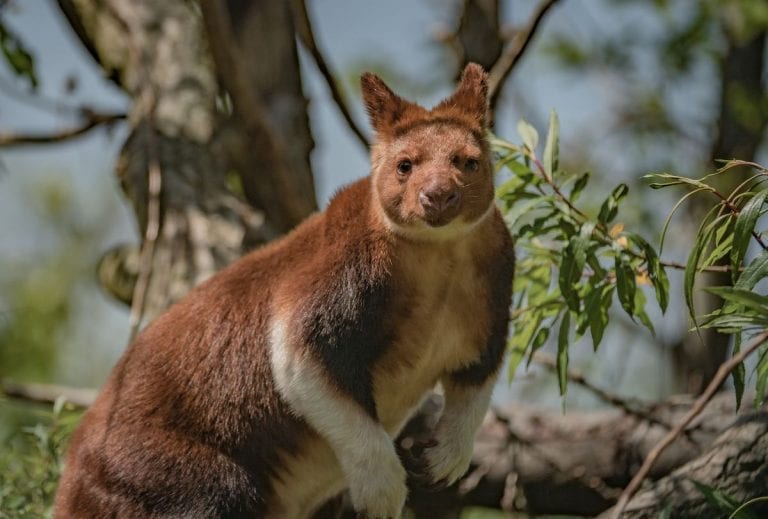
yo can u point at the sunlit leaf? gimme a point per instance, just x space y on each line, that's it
528 133
552 145
611 205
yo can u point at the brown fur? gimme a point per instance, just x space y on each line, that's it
384 296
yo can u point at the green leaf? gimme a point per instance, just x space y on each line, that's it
640 311
739 296
552 145
579 185
762 377
525 327
610 207
596 305
675 180
562 353
745 223
739 373
755 271
571 269
656 271
626 286
692 267
529 134
677 205
17 56
717 498
538 341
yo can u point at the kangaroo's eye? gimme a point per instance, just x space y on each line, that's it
404 167
472 164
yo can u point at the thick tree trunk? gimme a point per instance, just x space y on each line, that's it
157 52
254 47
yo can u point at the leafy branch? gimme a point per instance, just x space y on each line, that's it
572 262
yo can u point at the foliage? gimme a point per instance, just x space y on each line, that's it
724 237
573 259
728 504
16 55
32 462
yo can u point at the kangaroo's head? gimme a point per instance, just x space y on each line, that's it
431 169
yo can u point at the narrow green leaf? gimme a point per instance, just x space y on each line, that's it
762 377
746 298
538 341
596 305
717 498
656 271
528 133
610 207
640 302
671 213
571 269
755 271
525 327
692 267
626 285
724 247
579 185
552 145
745 223
562 353
671 180
739 373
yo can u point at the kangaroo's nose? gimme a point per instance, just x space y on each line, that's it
438 199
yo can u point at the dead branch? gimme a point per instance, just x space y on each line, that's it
47 393
92 120
306 35
514 51
701 402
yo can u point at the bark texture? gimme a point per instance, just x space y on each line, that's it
577 463
157 52
735 465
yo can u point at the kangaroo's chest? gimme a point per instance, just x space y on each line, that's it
440 324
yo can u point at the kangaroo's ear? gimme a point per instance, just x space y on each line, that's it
384 107
471 96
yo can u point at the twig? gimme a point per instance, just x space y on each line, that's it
604 395
148 246
711 268
47 393
304 30
512 54
698 406
147 100
92 120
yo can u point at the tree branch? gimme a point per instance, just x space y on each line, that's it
514 51
47 393
306 35
92 120
604 395
695 410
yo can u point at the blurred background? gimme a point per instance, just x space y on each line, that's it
639 87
